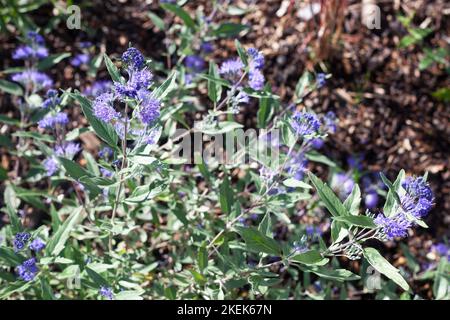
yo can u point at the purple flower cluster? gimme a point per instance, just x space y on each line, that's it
106 292
296 166
20 240
418 199
80 59
34 49
195 63
256 78
50 121
395 227
149 108
321 80
36 79
416 202
105 152
133 58
67 150
103 107
232 68
50 165
98 88
52 99
305 124
138 80
27 270
37 245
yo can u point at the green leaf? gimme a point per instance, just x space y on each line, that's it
202 257
294 183
303 83
222 127
97 278
258 242
11 88
319 158
166 87
157 21
226 195
337 274
241 52
310 258
360 221
229 29
442 94
12 203
9 257
265 110
52 60
104 130
383 266
353 201
112 69
181 13
392 197
330 200
46 290
214 88
57 242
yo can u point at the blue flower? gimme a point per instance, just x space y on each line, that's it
305 124
371 200
256 59
106 292
267 174
195 63
207 47
98 88
256 80
106 173
28 270
80 59
149 108
296 166
321 80
329 122
133 58
20 240
103 108
50 121
418 199
395 227
34 78
105 152
50 165
68 150
37 245
441 249
52 99
232 68
138 79
35 49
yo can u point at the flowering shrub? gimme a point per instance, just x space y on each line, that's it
132 219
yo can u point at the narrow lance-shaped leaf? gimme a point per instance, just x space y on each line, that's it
383 266
331 201
258 242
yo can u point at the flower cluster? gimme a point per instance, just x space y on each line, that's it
27 271
416 202
32 78
20 240
232 69
106 292
136 88
34 49
51 121
52 100
305 124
